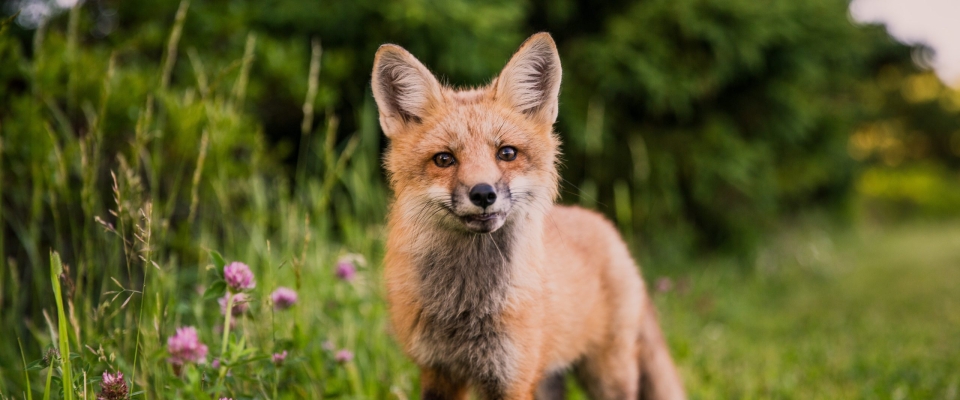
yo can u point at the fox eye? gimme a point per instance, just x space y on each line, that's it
507 153
444 160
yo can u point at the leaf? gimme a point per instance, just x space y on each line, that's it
215 291
217 260
36 365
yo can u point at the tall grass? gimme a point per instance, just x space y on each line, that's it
135 175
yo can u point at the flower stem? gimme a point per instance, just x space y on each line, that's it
226 338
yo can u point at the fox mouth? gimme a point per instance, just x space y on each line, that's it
480 217
484 222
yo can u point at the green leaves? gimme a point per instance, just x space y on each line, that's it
219 287
218 261
215 291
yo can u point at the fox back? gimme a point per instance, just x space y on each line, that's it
490 284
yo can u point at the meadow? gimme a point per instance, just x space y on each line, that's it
128 188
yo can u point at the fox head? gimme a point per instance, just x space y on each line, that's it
471 160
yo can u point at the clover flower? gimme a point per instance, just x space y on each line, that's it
185 347
238 277
240 304
328 345
112 387
344 356
664 284
283 298
279 358
346 270
52 355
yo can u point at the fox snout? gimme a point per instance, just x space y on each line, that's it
483 195
482 207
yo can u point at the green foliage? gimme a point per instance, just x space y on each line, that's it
916 190
721 116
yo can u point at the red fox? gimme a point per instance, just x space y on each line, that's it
490 285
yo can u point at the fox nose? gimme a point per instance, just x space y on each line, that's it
483 195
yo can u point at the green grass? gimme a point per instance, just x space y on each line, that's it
872 313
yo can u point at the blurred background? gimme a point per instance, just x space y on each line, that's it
787 172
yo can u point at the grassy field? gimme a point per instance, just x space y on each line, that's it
871 313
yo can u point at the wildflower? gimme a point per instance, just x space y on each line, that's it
50 357
238 277
240 304
346 270
344 356
664 284
283 298
112 387
215 364
185 347
328 345
279 358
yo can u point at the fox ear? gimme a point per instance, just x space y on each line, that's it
530 82
403 88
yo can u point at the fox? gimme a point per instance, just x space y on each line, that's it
492 288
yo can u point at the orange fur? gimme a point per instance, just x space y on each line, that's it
499 297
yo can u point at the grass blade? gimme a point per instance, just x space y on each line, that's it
26 376
56 268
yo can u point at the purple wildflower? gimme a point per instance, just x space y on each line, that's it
283 298
240 304
346 270
279 358
185 347
238 277
344 356
112 387
664 284
328 345
215 364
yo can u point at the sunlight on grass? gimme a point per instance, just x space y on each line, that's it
869 313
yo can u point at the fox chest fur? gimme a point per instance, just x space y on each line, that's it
463 284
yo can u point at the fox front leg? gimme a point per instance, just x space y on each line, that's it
436 385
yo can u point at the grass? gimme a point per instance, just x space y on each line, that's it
867 313
870 313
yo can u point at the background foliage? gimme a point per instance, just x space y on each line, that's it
137 137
